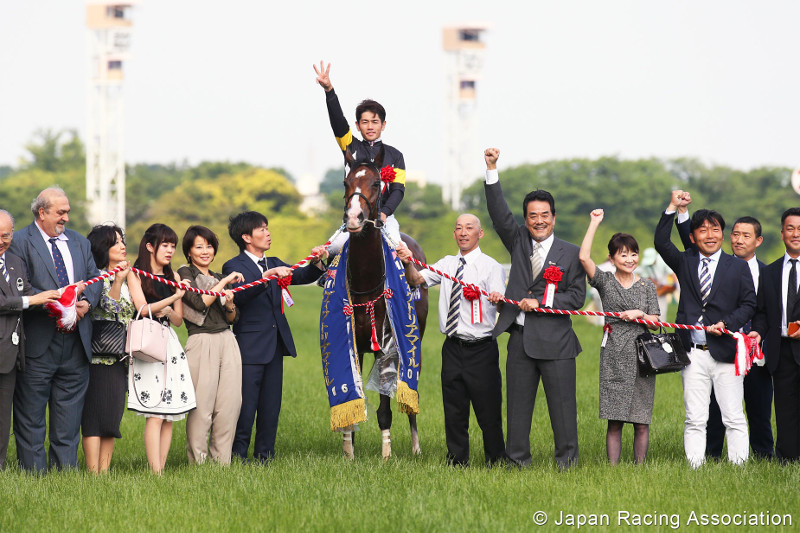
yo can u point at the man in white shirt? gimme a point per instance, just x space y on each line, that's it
470 358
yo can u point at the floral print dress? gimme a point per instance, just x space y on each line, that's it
164 390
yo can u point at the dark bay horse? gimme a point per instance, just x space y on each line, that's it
366 274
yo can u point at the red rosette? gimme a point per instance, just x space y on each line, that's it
284 283
553 274
388 174
471 292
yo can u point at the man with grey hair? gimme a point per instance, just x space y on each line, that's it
57 362
470 358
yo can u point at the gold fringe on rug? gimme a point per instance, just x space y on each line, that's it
348 414
407 398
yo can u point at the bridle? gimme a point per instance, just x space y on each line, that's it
373 207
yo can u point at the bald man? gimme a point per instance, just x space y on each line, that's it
470 367
56 363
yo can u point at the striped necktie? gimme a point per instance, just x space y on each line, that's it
705 286
3 270
455 301
61 267
536 260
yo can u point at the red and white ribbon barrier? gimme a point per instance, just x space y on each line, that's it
63 310
745 352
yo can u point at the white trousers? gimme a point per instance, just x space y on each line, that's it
391 226
698 378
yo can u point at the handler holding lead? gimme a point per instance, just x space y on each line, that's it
470 358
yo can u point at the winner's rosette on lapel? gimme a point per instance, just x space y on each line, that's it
552 275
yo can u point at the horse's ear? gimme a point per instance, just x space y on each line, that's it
349 157
379 158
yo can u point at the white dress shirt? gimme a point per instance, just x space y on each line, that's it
755 271
785 287
480 270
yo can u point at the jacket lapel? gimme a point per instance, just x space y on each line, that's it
693 264
6 287
78 268
722 267
35 238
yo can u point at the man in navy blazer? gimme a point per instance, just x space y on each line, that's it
56 364
777 308
262 331
717 292
745 238
540 347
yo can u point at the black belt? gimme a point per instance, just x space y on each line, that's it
700 346
464 342
516 327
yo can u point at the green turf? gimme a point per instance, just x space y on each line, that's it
311 487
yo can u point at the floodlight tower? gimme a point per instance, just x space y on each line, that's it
108 35
463 64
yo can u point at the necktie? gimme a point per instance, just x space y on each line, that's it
455 302
536 260
705 281
61 268
3 270
263 264
791 291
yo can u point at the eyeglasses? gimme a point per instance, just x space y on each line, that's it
6 236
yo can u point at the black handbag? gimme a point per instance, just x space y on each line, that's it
660 353
108 338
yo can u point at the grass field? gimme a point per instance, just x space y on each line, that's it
311 487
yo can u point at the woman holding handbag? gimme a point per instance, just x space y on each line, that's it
105 396
162 392
214 358
625 395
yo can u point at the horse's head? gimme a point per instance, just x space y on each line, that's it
362 191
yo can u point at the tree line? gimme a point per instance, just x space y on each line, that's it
632 192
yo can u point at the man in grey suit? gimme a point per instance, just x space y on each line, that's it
540 346
56 363
15 296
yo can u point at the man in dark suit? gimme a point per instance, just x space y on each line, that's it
778 308
745 238
16 295
717 292
56 363
262 332
540 347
